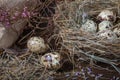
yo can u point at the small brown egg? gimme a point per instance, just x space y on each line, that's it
51 60
107 34
37 45
89 26
105 25
107 15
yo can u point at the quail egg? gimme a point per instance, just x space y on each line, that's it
105 25
107 15
117 31
89 26
107 34
37 45
51 60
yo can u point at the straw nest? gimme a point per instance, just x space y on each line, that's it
85 55
83 45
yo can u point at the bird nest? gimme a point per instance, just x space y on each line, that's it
84 46
85 55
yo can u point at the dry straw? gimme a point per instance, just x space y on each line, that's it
80 43
77 47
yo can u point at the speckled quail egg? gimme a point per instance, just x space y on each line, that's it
105 25
107 15
107 34
89 26
117 31
37 45
51 60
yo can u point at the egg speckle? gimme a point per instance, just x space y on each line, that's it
117 31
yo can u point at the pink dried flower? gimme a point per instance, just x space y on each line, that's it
2 18
13 18
24 14
7 24
16 14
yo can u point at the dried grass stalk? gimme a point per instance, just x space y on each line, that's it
85 45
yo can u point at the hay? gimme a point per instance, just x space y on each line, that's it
85 56
82 44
